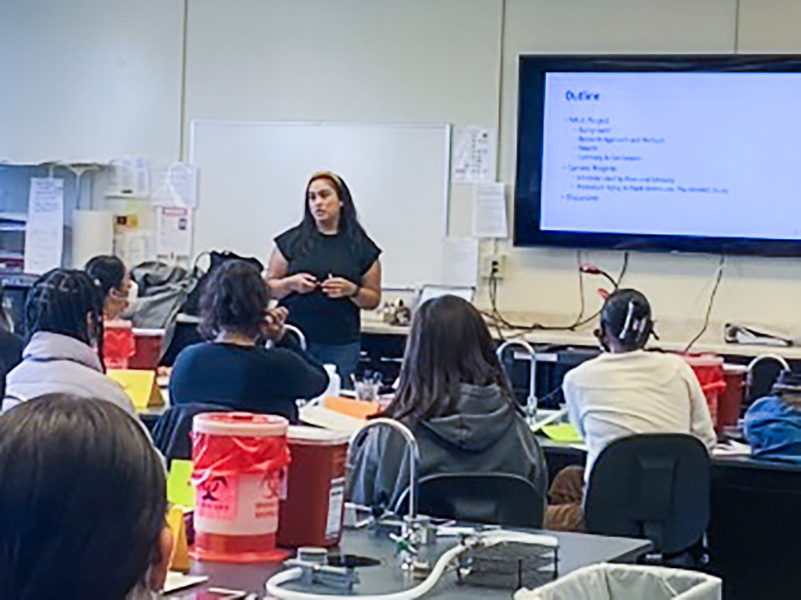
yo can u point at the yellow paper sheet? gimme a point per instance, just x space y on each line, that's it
139 385
563 432
179 561
179 490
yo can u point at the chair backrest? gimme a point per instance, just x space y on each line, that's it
172 432
762 374
491 498
653 486
291 330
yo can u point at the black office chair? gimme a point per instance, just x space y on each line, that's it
652 486
491 498
172 431
762 374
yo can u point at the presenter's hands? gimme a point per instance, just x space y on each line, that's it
274 320
303 283
338 287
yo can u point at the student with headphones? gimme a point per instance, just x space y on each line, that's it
625 391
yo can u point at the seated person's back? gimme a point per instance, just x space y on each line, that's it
64 317
627 390
83 503
11 345
234 368
455 398
772 424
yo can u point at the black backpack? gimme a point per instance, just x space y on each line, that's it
216 260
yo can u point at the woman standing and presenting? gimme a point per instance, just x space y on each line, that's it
324 271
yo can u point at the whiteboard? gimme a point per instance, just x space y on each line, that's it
253 175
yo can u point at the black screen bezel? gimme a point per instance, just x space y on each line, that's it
532 70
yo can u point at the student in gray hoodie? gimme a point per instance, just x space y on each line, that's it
454 396
64 317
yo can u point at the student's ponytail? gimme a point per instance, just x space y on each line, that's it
626 317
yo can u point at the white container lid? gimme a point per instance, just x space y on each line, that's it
317 436
240 423
141 332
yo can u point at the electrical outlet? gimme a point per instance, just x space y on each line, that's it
492 265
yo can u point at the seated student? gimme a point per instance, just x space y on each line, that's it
625 391
234 368
83 503
454 396
773 424
64 317
114 281
119 344
11 346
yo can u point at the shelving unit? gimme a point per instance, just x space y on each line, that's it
12 241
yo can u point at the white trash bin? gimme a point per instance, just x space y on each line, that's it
628 582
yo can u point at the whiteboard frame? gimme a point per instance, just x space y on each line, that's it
448 130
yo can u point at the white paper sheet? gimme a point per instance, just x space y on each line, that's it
489 211
174 231
130 176
178 581
459 262
474 159
175 185
44 234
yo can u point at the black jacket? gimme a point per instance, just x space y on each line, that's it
172 432
486 434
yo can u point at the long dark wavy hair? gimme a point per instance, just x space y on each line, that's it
234 299
449 345
349 225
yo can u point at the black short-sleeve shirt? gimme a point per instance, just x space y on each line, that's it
322 319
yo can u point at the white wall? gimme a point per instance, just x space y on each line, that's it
422 61
769 26
375 60
90 79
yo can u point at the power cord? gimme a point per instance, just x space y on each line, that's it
499 321
718 279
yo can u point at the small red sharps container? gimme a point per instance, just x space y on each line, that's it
313 510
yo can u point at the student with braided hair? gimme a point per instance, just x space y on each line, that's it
64 317
625 391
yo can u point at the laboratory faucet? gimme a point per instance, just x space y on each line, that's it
415 529
531 401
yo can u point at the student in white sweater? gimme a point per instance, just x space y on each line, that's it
64 317
627 390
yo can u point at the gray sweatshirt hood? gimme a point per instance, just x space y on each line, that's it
46 346
483 415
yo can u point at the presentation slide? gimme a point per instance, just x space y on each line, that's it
694 154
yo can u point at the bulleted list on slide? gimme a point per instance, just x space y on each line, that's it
671 153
